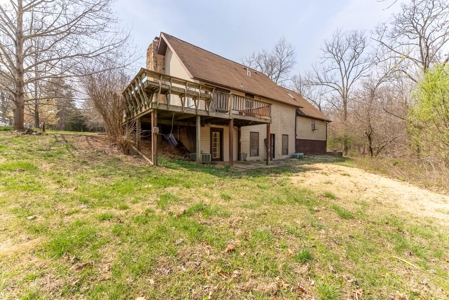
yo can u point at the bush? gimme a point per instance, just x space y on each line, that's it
5 128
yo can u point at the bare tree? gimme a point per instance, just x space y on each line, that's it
417 37
104 90
276 64
67 31
379 128
316 94
390 3
344 63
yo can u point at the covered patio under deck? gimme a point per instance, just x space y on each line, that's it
154 99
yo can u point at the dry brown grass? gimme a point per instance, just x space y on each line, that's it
426 172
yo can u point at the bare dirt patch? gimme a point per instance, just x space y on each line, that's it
8 248
354 184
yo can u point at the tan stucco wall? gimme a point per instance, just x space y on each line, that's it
304 129
205 140
189 140
283 117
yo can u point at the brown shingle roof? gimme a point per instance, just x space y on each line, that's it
306 108
209 67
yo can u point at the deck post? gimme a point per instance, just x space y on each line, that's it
239 143
268 144
198 139
154 137
138 133
231 142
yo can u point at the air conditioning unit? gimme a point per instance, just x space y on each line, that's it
297 155
206 158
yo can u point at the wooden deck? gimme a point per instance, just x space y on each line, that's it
154 98
151 90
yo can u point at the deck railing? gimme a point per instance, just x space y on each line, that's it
251 107
234 104
151 89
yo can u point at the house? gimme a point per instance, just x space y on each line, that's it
219 108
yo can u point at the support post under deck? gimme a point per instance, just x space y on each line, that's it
138 133
231 142
154 137
198 139
268 144
239 143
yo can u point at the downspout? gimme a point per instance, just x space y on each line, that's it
296 126
327 123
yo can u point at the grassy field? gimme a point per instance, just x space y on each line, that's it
78 220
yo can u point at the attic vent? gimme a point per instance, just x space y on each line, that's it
291 96
248 72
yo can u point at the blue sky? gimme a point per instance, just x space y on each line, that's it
235 28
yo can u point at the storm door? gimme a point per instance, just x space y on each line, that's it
216 143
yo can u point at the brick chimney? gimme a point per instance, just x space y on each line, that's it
155 62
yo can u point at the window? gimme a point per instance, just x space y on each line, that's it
313 125
254 144
285 144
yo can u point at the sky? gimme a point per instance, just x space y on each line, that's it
236 28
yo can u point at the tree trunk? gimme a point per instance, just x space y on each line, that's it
36 113
36 101
19 113
346 139
19 101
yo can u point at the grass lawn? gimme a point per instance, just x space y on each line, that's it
80 221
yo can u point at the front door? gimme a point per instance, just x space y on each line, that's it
216 143
272 145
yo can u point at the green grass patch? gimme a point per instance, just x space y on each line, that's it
303 256
225 196
165 200
19 166
105 216
342 212
110 227
330 195
5 128
72 240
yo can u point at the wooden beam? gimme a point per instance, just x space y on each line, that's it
141 154
154 137
239 143
231 142
198 139
138 132
268 144
159 91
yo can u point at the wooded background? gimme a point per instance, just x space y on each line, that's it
386 90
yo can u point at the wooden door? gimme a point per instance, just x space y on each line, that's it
272 145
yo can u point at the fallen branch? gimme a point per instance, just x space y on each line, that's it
407 262
141 154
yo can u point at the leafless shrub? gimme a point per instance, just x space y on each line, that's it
105 92
430 173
